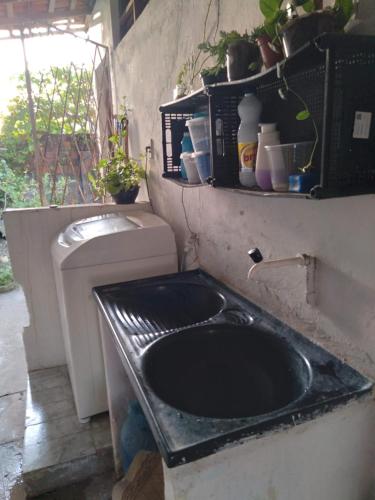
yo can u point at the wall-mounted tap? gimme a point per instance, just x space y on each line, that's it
303 260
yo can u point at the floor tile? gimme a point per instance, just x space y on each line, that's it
50 395
13 370
102 438
11 470
40 380
54 429
57 451
12 417
14 317
97 488
37 413
101 431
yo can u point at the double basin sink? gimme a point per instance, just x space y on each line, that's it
210 368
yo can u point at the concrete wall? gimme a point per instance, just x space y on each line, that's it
30 233
329 458
339 232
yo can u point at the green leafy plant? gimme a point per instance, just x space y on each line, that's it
19 190
119 172
302 115
219 50
72 113
6 275
276 12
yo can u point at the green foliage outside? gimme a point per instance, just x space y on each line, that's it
19 190
73 109
6 275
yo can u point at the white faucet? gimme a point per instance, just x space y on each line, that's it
302 260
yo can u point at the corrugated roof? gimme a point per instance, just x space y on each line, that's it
33 14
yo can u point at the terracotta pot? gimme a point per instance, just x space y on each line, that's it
126 197
208 79
302 29
240 56
269 56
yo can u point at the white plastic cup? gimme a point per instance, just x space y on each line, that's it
199 129
286 160
203 164
191 168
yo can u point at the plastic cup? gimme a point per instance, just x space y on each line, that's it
190 168
202 161
199 129
286 160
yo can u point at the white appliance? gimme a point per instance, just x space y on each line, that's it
97 251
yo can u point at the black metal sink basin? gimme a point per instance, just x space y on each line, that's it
157 307
226 371
210 368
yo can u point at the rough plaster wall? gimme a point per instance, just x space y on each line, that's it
329 458
339 232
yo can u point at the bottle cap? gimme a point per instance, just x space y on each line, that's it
267 127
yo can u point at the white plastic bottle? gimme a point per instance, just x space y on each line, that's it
249 110
268 136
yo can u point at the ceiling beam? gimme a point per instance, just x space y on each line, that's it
13 1
51 6
9 8
34 19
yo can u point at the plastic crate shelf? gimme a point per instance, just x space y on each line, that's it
335 76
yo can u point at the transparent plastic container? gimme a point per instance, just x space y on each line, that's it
191 168
286 160
203 164
199 129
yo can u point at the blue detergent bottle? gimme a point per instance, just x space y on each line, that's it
135 435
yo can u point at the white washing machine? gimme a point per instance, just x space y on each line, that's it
97 251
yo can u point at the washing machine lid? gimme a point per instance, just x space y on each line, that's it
93 227
111 238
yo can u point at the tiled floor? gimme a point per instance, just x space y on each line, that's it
53 431
13 380
58 449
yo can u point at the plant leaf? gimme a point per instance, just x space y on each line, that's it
270 8
303 115
308 6
346 7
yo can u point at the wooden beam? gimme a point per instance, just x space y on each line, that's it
51 6
34 19
73 4
9 7
13 1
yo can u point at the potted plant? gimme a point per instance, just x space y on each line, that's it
237 53
269 43
120 176
297 29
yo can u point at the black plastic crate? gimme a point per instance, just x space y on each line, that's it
335 76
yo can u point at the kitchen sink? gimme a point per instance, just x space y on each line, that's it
210 368
226 371
159 307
